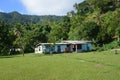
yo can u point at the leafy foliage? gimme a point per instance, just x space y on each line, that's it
15 17
5 39
97 21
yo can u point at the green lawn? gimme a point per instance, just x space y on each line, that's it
74 66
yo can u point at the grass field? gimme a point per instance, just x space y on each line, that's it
74 66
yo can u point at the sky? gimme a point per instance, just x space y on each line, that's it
38 7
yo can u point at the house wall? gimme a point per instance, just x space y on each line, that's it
47 49
85 47
61 46
90 46
82 47
39 49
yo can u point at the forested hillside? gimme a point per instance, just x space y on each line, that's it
15 17
94 20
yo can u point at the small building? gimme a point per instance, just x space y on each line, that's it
64 47
50 48
79 46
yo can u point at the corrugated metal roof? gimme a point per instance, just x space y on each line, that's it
76 42
51 44
66 42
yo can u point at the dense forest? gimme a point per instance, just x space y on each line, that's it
94 20
15 17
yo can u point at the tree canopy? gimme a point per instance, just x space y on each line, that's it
94 20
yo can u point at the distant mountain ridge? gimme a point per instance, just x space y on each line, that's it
16 17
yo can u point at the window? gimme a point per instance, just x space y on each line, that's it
79 46
39 48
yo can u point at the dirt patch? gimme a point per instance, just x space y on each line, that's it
98 65
82 61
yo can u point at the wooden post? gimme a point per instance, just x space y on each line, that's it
23 52
76 48
116 52
22 49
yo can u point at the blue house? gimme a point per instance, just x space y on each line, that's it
64 47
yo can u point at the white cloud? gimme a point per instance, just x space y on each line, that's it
1 10
49 7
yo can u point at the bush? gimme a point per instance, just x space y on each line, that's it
4 51
15 52
111 45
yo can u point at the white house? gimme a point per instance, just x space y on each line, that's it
64 47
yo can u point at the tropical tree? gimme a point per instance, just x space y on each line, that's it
5 40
